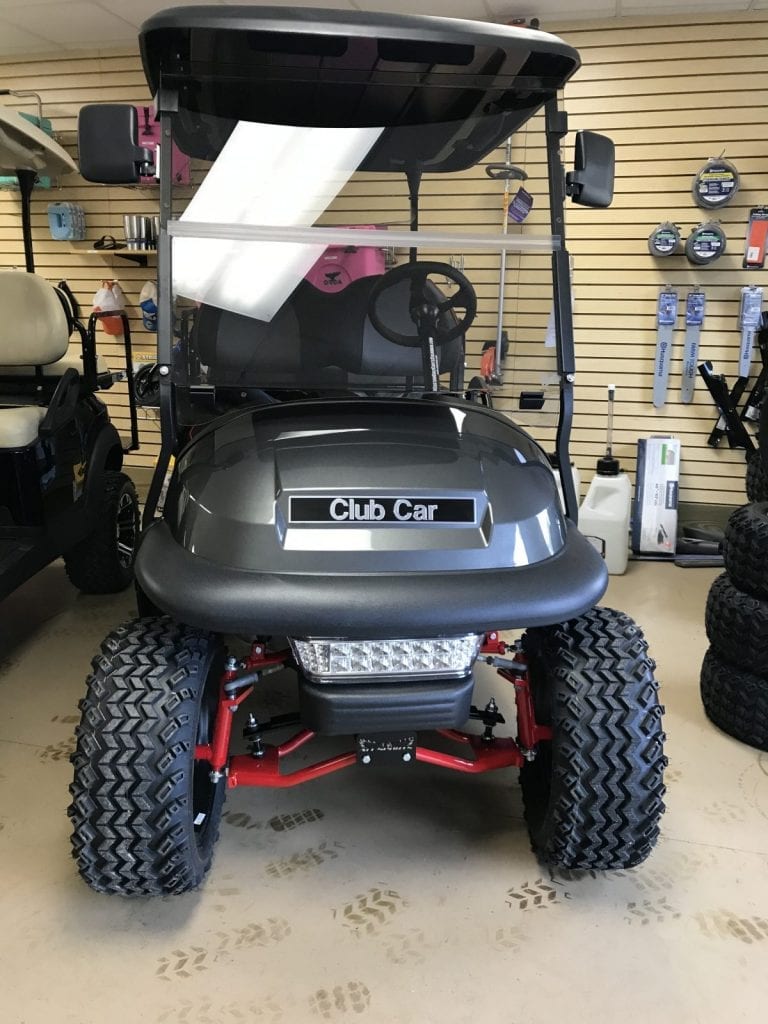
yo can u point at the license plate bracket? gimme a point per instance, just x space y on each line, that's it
386 748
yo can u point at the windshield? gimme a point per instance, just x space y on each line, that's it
292 270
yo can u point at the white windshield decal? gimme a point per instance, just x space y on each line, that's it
278 174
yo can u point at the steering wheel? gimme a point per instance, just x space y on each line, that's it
425 309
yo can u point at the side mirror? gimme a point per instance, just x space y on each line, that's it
590 183
107 134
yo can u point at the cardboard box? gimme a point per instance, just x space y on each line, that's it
654 513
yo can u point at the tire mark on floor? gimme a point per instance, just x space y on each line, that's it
370 911
267 1010
239 819
306 861
724 924
287 822
60 751
403 948
532 895
184 963
657 910
503 939
727 813
353 997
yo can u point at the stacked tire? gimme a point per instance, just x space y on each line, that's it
734 675
757 477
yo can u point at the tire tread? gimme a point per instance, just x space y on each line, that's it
604 797
130 805
735 701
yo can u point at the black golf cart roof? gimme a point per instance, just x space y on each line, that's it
446 91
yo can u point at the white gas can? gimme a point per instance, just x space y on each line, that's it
604 518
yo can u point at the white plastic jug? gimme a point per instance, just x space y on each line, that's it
604 518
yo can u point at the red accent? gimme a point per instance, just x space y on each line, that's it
247 770
499 753
528 730
218 750
492 644
260 657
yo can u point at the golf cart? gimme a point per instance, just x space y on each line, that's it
339 504
62 491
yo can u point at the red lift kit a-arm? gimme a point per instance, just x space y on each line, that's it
261 767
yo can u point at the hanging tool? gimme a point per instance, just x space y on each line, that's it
505 172
729 425
694 318
666 317
756 397
749 323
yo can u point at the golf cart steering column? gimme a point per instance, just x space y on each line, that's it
428 308
426 315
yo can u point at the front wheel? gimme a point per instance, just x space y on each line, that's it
103 562
593 794
145 813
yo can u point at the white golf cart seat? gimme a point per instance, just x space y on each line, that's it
34 331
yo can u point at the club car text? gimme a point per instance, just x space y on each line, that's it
352 510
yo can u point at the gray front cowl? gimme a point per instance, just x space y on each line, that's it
404 460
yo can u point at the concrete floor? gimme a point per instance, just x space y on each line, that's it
384 896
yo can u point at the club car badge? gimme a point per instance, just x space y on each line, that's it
406 511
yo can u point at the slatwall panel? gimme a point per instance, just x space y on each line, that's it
66 82
671 92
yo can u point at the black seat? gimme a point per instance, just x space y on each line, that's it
317 341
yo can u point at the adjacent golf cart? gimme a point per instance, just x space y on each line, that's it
338 498
62 491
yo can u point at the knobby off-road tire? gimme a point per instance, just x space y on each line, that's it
745 549
145 814
103 562
757 479
735 701
737 626
593 795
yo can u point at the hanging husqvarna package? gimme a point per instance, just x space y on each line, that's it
749 323
665 240
715 184
666 317
757 238
706 243
694 318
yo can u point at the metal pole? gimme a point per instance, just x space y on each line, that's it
556 126
168 430
26 184
503 266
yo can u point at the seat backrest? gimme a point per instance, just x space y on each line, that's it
317 340
339 327
34 330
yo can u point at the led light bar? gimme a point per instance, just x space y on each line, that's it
438 657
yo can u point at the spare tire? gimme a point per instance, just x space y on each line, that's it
735 701
757 478
745 549
737 626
